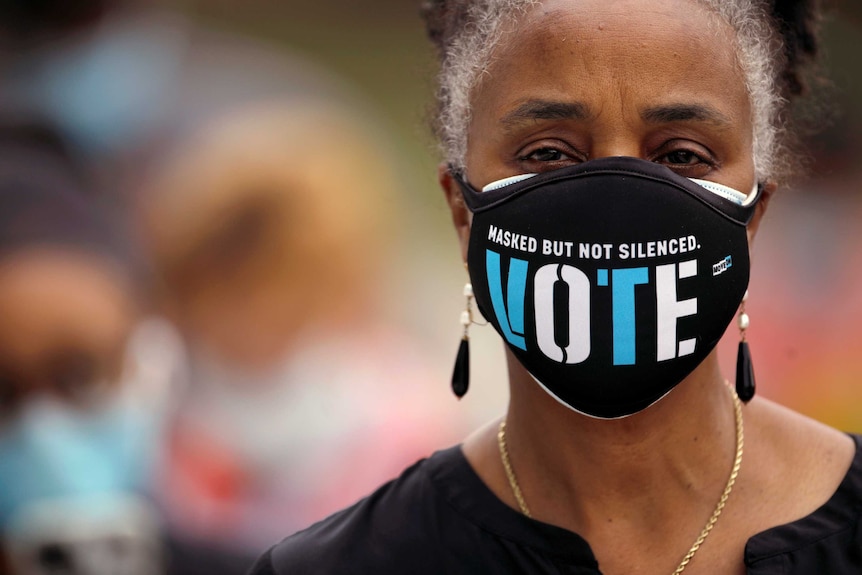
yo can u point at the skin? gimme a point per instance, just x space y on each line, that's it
67 316
576 80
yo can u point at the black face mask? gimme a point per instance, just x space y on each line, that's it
611 280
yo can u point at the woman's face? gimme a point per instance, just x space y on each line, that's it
578 80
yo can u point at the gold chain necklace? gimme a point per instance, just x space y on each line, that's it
737 462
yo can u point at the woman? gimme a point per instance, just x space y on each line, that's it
611 275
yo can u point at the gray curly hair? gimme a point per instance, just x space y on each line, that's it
768 47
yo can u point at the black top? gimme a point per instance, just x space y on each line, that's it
440 518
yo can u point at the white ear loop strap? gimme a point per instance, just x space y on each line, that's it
720 190
506 182
727 192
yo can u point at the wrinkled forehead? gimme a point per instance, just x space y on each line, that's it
615 51
569 24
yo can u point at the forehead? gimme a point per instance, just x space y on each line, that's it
61 297
634 24
616 54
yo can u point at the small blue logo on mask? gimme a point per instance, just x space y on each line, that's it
722 266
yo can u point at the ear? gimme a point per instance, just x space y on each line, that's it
461 216
768 189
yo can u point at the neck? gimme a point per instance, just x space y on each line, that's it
579 472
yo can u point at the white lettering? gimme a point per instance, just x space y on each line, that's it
624 251
512 240
546 279
669 309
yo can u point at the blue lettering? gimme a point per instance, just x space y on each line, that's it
602 278
623 293
511 322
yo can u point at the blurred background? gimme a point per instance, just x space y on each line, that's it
229 288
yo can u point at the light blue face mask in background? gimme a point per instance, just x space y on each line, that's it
104 89
71 493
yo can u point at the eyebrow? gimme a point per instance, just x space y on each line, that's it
685 113
533 110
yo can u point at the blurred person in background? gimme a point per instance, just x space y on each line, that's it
269 231
77 421
270 283
86 375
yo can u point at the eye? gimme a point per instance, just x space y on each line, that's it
686 158
682 158
545 157
71 371
11 394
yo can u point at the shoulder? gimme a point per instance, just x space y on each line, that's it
797 458
437 517
802 481
828 540
390 531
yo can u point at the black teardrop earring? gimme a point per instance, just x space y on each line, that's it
745 385
461 373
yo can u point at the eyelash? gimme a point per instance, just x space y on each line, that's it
703 157
571 155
